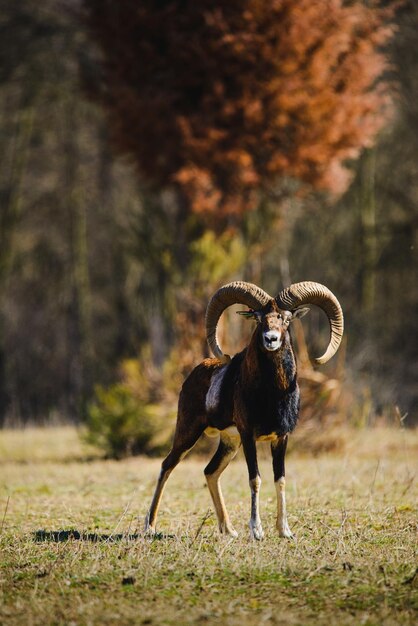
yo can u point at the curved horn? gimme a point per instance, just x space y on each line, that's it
237 292
314 293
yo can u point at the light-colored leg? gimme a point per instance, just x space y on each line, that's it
250 452
181 446
151 517
167 467
227 449
278 449
281 522
255 521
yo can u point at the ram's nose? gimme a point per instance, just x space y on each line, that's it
271 340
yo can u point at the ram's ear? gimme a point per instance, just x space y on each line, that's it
300 313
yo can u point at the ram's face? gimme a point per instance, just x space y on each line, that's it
273 324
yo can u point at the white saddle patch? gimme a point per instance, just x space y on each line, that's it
212 396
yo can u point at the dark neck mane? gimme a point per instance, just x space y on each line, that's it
277 367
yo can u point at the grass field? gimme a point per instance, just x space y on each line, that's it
354 559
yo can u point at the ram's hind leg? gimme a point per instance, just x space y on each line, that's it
181 445
227 449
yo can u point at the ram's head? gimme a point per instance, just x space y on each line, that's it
275 314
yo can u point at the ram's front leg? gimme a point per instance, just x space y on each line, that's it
278 450
250 452
227 449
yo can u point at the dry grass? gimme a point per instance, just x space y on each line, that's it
60 444
353 561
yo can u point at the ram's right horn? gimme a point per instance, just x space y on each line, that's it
238 292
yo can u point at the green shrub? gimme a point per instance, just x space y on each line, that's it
122 421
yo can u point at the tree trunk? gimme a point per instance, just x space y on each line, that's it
80 344
367 207
9 218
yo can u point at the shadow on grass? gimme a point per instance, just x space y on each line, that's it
61 536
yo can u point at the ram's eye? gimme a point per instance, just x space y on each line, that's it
248 314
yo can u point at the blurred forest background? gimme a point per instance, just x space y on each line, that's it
151 151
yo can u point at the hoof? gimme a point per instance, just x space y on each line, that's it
149 531
228 531
256 531
285 532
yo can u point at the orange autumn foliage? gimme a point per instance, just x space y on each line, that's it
225 98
